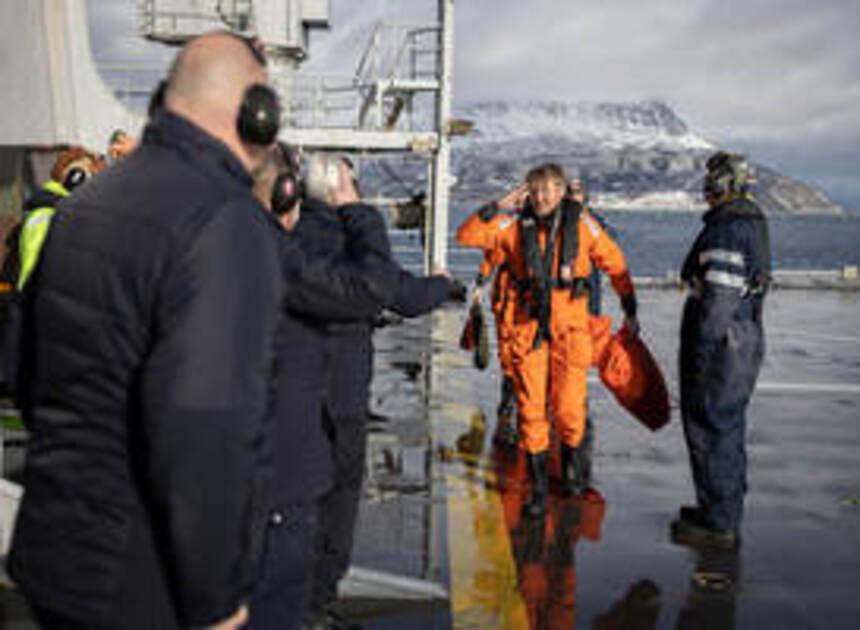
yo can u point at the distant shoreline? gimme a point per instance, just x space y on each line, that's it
617 207
672 203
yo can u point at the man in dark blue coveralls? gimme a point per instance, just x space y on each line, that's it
722 346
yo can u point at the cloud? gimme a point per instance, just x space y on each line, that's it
780 78
115 36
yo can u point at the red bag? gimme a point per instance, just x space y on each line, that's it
629 371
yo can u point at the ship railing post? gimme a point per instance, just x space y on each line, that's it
437 238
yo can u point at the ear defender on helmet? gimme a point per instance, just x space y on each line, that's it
259 115
727 173
741 174
74 178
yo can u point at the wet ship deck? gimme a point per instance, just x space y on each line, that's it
441 504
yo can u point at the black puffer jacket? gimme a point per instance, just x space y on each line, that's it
146 388
324 232
331 285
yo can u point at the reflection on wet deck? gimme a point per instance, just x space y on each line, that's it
442 503
513 572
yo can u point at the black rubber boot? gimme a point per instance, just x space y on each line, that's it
506 434
691 513
507 401
575 470
586 450
535 504
700 535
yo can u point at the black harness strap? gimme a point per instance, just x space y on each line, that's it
539 270
570 233
537 286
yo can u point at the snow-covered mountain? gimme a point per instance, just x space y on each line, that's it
634 155
631 155
649 124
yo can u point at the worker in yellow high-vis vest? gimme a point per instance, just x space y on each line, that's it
72 168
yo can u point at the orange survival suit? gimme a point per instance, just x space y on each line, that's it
483 235
546 322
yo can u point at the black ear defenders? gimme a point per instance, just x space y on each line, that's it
74 178
286 193
288 188
260 112
259 115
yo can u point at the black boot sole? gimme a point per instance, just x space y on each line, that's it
692 535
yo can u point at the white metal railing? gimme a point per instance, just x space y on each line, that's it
399 51
399 62
167 24
323 101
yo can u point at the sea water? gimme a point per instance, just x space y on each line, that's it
655 243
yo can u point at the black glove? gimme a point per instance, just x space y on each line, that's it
628 305
457 291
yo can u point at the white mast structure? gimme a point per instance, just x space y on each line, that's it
367 112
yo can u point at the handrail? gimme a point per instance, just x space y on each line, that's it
395 52
404 40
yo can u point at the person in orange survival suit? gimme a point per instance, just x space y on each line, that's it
549 249
483 235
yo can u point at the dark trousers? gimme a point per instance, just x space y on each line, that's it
717 381
345 418
282 592
716 442
339 512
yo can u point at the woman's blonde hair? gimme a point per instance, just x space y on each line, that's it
550 170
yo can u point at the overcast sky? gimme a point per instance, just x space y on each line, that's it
778 79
